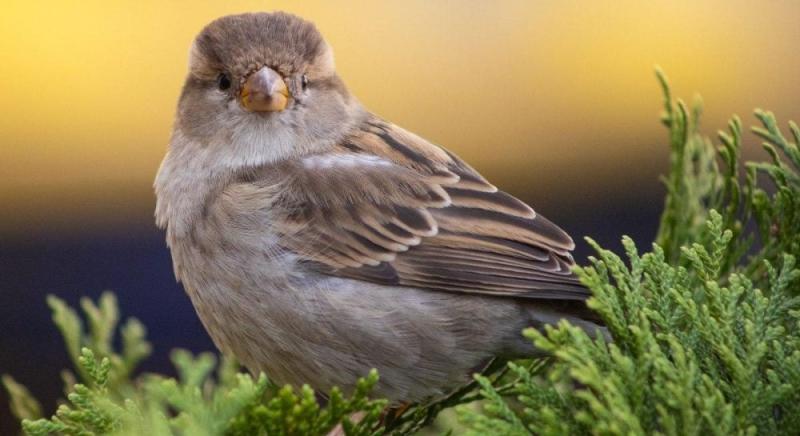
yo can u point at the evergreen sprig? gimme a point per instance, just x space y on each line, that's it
704 327
200 401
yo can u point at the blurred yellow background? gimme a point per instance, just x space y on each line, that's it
555 102
549 99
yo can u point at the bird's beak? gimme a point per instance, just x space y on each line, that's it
264 91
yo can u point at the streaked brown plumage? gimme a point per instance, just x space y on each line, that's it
415 215
318 241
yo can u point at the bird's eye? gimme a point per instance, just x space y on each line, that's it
304 81
223 82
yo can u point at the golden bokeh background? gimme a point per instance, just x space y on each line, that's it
549 99
554 101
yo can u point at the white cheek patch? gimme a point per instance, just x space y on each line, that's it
327 161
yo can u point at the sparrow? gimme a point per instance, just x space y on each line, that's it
318 241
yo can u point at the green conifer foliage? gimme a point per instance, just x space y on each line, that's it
703 328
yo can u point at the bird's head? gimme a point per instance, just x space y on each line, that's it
262 84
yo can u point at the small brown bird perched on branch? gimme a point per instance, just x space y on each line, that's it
318 241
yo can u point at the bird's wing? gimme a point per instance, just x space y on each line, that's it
388 207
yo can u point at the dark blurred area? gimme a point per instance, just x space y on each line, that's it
554 102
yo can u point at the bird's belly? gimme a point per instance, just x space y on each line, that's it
327 331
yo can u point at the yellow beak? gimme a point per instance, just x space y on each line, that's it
264 91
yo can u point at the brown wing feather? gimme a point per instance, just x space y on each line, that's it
388 207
